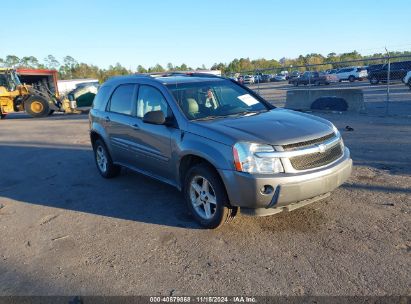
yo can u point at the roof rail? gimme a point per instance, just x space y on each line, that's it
188 74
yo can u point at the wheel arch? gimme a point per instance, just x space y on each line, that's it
97 132
191 159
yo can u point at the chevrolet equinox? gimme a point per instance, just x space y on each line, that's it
221 144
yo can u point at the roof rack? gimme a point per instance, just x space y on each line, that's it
187 74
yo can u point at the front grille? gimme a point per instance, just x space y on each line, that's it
314 160
307 143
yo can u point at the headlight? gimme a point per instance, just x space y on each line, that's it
245 159
338 134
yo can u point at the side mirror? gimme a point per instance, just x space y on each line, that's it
155 118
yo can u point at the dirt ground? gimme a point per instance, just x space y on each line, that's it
64 230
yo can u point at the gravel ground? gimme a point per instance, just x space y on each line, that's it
67 231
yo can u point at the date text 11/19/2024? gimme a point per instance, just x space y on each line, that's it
205 299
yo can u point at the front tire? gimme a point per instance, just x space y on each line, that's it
37 106
206 197
104 163
351 78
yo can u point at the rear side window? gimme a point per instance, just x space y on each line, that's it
100 100
122 99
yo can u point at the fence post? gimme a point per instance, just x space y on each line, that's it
388 86
307 68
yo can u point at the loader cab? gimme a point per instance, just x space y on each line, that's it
9 80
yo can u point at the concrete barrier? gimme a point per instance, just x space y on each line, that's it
351 100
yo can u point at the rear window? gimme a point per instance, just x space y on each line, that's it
100 100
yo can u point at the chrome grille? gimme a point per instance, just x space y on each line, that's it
314 160
307 143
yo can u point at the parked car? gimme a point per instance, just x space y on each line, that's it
249 79
407 79
294 74
314 78
265 78
225 147
398 70
240 79
279 77
257 78
333 71
352 74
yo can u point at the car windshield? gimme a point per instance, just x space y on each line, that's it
214 99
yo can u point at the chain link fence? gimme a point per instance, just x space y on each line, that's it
384 83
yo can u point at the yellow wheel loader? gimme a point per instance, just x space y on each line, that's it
16 97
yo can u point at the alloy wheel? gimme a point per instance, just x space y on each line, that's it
203 198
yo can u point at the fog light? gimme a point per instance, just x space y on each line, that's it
267 189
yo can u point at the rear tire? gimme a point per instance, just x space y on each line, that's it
104 163
374 80
37 106
351 78
206 197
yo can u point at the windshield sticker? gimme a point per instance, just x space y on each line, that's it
248 99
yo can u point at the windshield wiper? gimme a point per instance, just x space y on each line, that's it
244 113
208 117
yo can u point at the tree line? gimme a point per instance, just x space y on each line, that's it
331 61
69 68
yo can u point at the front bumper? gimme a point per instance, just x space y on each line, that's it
244 190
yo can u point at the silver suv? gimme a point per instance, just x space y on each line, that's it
221 144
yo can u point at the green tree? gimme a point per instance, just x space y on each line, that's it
11 61
51 62
141 69
156 68
170 67
29 62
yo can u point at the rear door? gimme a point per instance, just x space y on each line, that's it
119 121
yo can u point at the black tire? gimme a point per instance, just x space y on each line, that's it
374 80
221 212
409 84
351 78
37 106
110 170
2 115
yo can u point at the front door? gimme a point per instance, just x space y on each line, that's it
152 143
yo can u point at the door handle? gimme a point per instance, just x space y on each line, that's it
135 127
107 119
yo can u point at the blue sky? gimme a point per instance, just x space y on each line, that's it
200 32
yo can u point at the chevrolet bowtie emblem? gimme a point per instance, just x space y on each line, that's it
322 148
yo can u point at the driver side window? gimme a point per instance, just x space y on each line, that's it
150 99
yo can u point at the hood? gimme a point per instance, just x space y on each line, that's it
275 127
